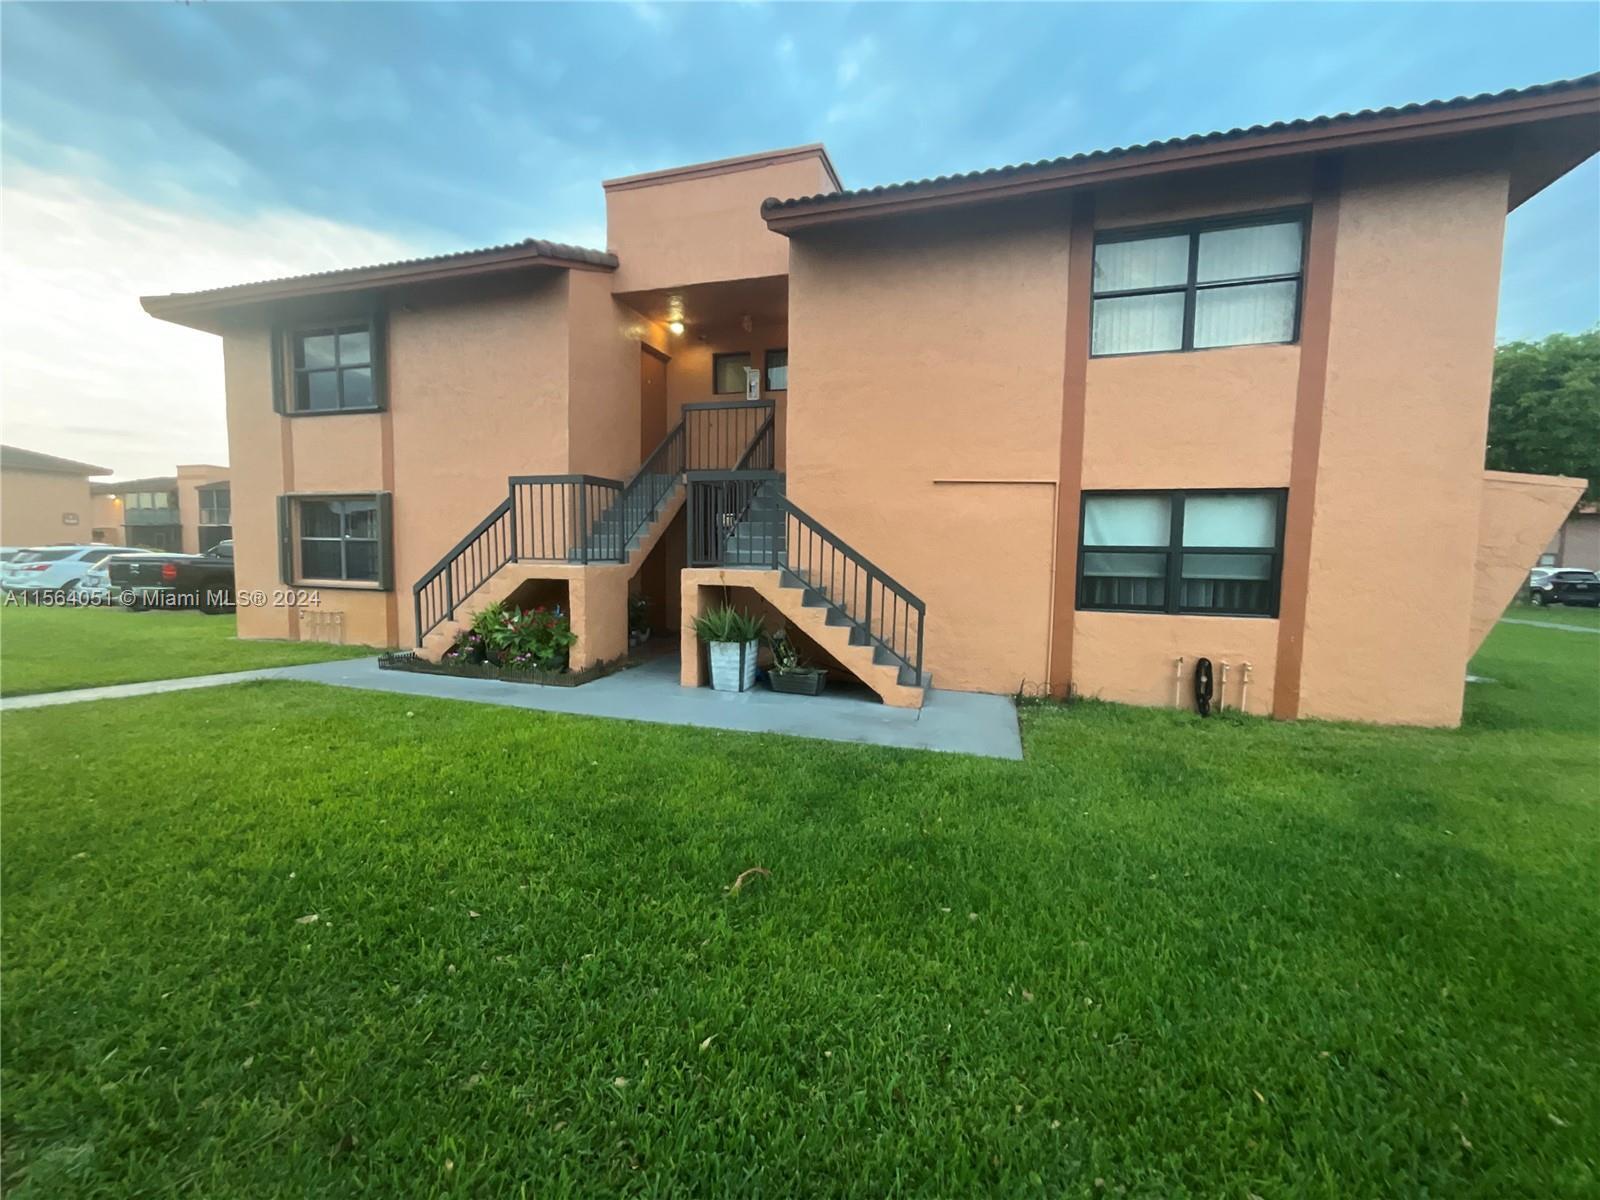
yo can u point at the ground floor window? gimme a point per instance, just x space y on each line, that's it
1217 552
342 539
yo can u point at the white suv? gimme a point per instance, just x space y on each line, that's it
52 571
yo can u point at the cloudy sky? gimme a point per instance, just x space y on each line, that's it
149 148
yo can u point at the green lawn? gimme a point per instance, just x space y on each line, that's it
313 942
1556 614
56 649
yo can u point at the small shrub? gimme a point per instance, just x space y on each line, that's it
786 660
728 624
536 637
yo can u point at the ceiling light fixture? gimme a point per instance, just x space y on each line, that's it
675 326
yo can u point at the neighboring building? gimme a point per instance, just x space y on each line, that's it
43 498
188 512
1577 542
1070 425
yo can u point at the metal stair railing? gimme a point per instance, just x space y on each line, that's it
743 519
465 568
586 518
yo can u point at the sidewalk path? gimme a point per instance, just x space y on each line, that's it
1547 625
955 722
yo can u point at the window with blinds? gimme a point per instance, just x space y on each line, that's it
1217 552
1198 286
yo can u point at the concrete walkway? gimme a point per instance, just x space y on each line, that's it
955 722
121 691
1547 625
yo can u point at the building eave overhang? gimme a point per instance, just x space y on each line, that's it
208 310
1576 103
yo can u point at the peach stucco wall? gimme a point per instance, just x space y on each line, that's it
1210 419
1133 658
924 408
1399 476
257 477
108 519
191 477
478 389
1517 516
478 392
603 384
694 230
34 506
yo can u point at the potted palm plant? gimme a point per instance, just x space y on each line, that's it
789 672
733 637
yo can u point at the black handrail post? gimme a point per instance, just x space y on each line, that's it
511 496
583 523
921 616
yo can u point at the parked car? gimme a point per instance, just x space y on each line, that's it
1564 585
95 587
52 571
7 553
202 581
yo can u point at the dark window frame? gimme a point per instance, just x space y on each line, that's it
716 370
1191 287
210 510
290 557
766 369
1175 550
286 375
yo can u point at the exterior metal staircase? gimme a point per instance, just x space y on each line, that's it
719 461
743 519
588 519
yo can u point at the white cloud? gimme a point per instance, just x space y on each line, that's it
84 372
853 60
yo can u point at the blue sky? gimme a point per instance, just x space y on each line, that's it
206 144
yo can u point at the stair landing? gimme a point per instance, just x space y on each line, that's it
699 594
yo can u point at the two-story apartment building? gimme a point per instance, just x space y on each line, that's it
187 512
1070 425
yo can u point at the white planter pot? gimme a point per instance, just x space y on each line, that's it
733 665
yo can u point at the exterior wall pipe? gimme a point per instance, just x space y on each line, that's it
1244 687
1222 687
1177 684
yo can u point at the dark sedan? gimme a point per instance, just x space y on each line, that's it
1564 585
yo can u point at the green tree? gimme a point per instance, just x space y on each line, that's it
1544 408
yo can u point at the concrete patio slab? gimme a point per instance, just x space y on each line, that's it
951 722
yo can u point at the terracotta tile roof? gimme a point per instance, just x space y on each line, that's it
528 252
154 483
15 458
917 188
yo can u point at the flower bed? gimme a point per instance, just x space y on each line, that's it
513 644
408 660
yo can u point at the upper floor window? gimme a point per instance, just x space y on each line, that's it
333 368
214 506
1233 282
330 367
727 373
1182 552
777 370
